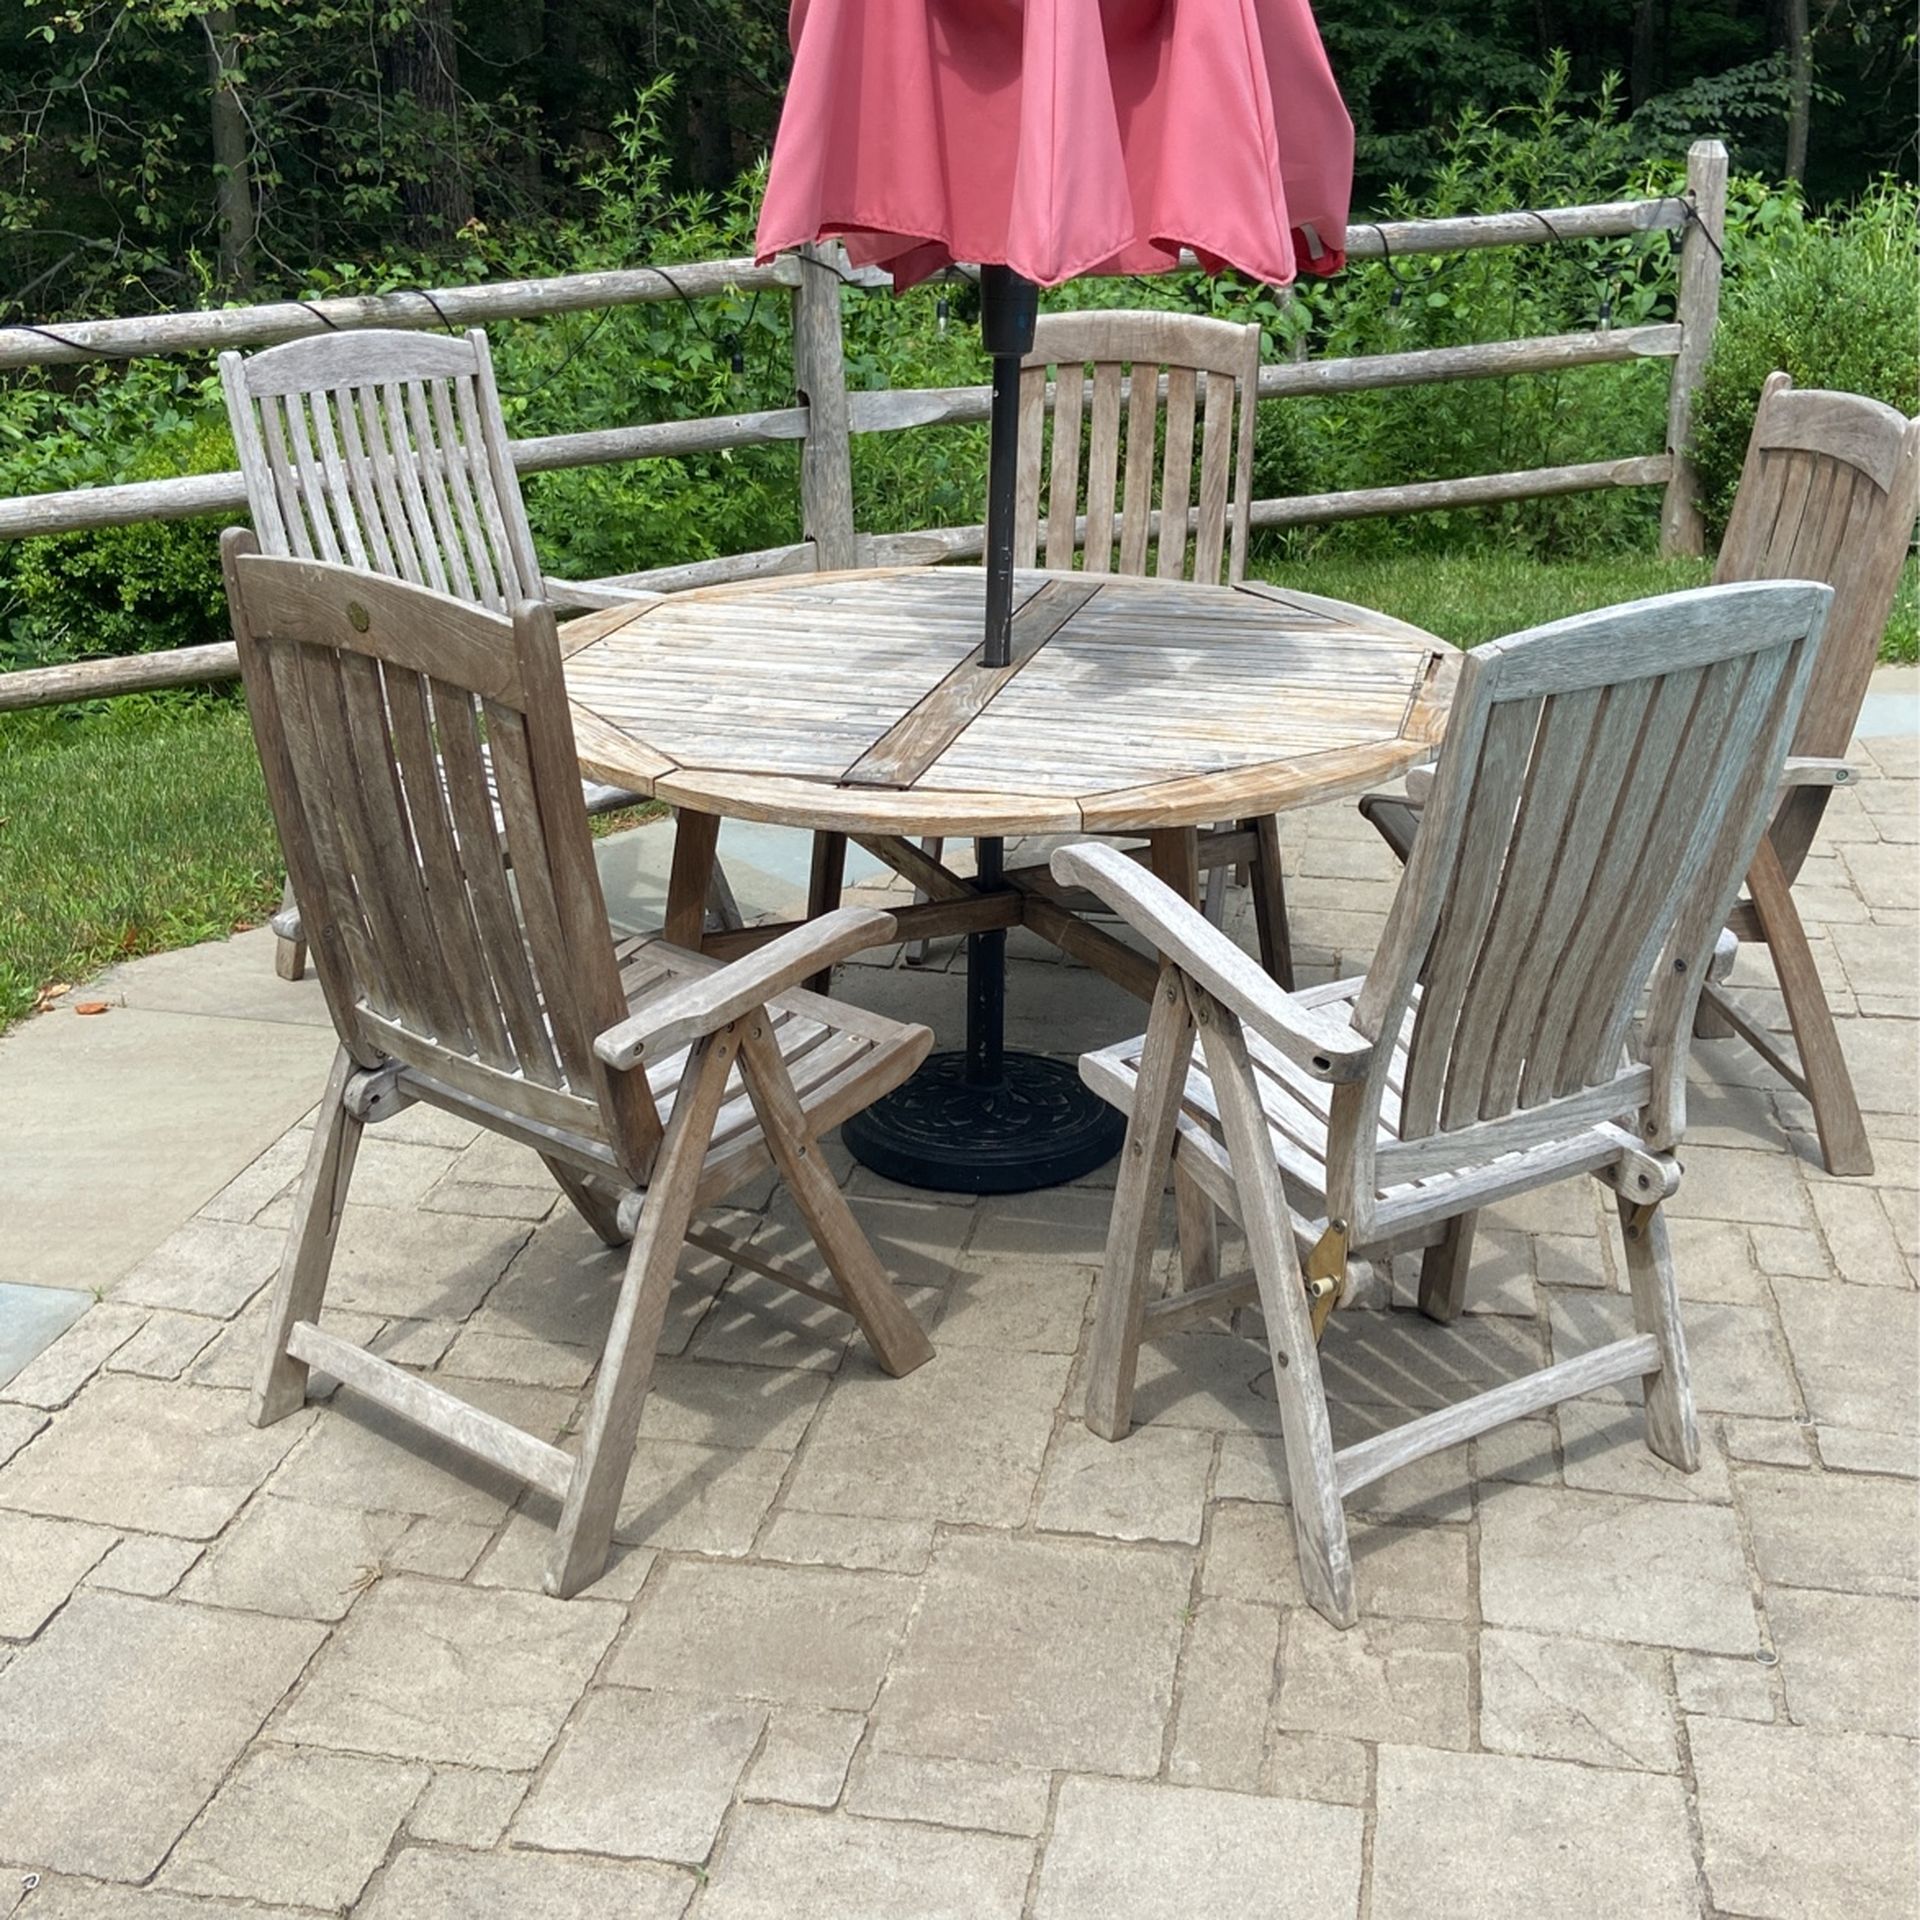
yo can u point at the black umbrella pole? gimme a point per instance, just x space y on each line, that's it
986 1120
987 982
1009 307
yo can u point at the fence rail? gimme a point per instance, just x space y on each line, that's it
827 416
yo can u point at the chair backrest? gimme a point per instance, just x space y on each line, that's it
1829 492
1189 405
1602 786
385 451
469 944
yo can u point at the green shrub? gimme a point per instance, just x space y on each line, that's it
112 590
1830 300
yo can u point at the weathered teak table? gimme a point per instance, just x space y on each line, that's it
856 704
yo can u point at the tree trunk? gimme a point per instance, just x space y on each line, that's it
232 168
1799 87
422 61
1642 82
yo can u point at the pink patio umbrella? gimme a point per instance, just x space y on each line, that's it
1044 139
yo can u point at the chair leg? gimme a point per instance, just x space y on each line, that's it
593 1204
824 886
1709 1023
1198 1221
1133 1227
723 910
585 1533
1319 1523
898 1340
1671 1430
1823 1064
1214 905
281 1386
1268 879
1443 1269
289 955
690 878
918 950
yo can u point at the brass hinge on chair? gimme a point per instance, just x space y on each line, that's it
1326 1272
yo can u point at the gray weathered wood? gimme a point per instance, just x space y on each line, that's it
1370 1460
671 1019
1654 733
1829 491
133 673
387 451
466 959
198 496
893 410
259 326
1697 310
1145 1163
820 379
482 1435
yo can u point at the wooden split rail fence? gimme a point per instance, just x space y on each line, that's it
826 415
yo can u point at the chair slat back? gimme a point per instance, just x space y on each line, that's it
465 940
1169 444
1602 787
1829 492
386 451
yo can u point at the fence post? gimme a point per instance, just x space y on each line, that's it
820 379
1681 528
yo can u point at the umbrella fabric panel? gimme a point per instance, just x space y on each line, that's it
1062 137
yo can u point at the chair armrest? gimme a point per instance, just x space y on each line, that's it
590 593
1325 1044
1803 770
690 1008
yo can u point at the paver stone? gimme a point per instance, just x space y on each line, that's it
1128 1851
644 1775
300 1829
425 1884
81 1711
1040 1652
780 1863
475 1676
1805 1825
802 1636
151 1454
1653 1571
1497 1838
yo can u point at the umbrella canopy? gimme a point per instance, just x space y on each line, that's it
1062 137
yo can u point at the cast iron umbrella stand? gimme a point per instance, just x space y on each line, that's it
986 1120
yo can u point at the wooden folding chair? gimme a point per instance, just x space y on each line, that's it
1187 387
388 451
464 952
1829 492
1603 785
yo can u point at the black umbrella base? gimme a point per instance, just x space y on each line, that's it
1037 1126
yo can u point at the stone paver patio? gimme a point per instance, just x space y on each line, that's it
920 1648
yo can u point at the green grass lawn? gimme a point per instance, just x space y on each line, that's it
1467 598
143 825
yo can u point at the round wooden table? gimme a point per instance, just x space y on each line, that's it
857 704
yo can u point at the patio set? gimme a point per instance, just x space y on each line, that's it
1576 852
